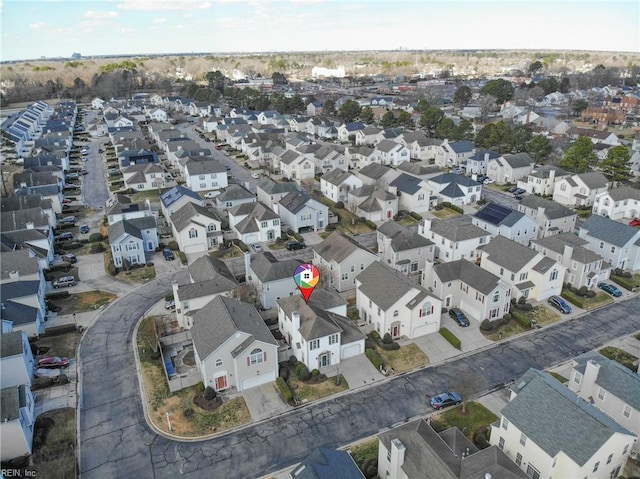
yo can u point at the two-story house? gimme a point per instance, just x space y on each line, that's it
318 338
552 218
298 210
618 203
412 194
453 154
477 163
456 189
336 184
196 229
389 152
420 147
500 220
454 239
341 259
542 180
271 279
205 174
377 174
175 198
584 267
270 192
130 239
392 303
532 435
580 189
254 222
16 359
619 244
143 176
234 195
527 272
509 168
404 249
373 203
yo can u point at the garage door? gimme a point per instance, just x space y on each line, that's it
424 329
258 379
194 248
351 350
252 238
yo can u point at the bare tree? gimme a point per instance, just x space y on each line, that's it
487 104
308 185
352 206
467 384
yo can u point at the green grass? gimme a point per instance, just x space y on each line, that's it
628 360
151 195
445 213
476 418
559 377
365 453
138 275
627 283
407 221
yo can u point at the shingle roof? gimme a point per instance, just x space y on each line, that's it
544 171
271 187
609 231
541 400
221 318
131 226
498 215
407 183
326 463
267 268
456 230
16 312
461 146
174 194
183 217
255 210
557 243
336 247
234 192
594 179
508 254
518 160
374 171
21 261
552 209
469 273
294 201
11 344
624 193
204 167
403 239
337 176
454 179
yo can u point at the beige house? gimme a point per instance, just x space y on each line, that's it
580 189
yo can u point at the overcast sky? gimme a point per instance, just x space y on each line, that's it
52 28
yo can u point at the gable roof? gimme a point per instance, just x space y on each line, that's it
461 146
467 272
508 254
21 261
234 192
205 166
174 194
624 193
183 217
407 183
459 230
558 242
374 171
447 178
518 160
295 201
552 209
594 179
267 267
255 210
220 319
337 176
131 227
609 231
271 187
541 400
11 344
402 238
209 276
498 215
336 247
326 463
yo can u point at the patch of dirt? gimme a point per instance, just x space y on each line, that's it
82 302
207 404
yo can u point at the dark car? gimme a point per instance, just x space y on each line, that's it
168 254
444 399
84 229
459 317
518 191
53 362
518 197
64 237
294 245
611 289
512 189
69 258
560 304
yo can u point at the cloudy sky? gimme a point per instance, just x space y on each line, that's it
52 28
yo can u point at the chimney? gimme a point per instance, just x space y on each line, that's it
425 227
591 370
14 275
552 174
295 318
29 225
567 254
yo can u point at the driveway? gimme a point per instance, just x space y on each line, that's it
264 402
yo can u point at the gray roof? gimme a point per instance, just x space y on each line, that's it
206 267
609 231
544 171
544 265
220 319
323 298
557 243
336 247
388 145
614 377
402 238
453 178
325 463
386 286
552 209
461 146
19 260
518 160
594 179
456 230
267 267
205 166
174 194
624 193
407 183
498 215
508 254
234 192
271 187
294 201
374 171
11 344
541 400
183 217
418 168
337 176
469 273
19 289
131 226
11 400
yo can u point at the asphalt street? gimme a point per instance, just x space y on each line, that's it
116 441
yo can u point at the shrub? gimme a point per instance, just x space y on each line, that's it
591 294
210 393
290 232
173 246
95 237
446 204
439 207
96 248
299 367
304 373
58 295
315 372
449 336
438 426
331 227
59 330
188 413
375 358
111 269
284 373
369 343
522 319
200 387
583 291
370 224
284 389
457 209
480 440
624 282
572 298
522 300
339 205
415 215
486 325
387 339
182 256
375 336
292 360
155 355
390 346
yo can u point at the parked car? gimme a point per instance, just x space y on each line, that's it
488 181
294 245
518 191
257 247
66 201
69 220
227 167
560 304
518 197
634 222
512 189
64 237
255 175
84 172
444 399
69 258
458 316
64 282
170 304
611 289
211 194
53 362
84 229
168 254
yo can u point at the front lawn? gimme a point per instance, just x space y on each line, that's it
138 275
445 213
476 419
365 455
630 284
82 302
406 358
307 392
584 302
54 441
628 360
540 314
151 195
407 221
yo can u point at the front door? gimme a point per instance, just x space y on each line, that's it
270 235
221 383
447 302
395 330
324 360
389 214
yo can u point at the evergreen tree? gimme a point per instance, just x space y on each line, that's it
616 166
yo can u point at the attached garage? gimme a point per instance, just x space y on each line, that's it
424 329
251 238
194 249
352 349
258 379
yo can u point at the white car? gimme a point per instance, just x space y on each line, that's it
488 181
211 194
255 175
257 247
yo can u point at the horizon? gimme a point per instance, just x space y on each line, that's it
55 29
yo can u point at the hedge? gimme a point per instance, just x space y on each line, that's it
415 215
58 330
182 256
521 318
284 389
375 358
456 209
626 283
449 336
572 298
58 295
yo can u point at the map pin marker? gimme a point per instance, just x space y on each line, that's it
306 277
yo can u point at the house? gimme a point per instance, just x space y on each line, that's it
336 184
456 189
373 203
477 163
208 277
271 279
609 386
453 154
296 166
233 347
97 103
552 218
341 259
454 239
270 192
130 239
254 222
17 419
596 136
377 174
325 462
176 197
347 131
158 114
583 266
233 196
580 189
420 170
298 210
508 169
144 176
412 195
367 136
205 174
391 153
38 243
542 180
619 244
530 433
314 108
318 338
403 249
361 156
415 450
528 273
137 157
392 303
618 203
500 220
465 285
420 147
196 229
24 305
16 359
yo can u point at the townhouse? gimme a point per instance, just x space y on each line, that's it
580 189
542 180
508 169
552 218
411 192
619 244
500 220
254 222
196 229
205 174
453 154
403 249
454 239
618 203
298 210
456 189
270 278
336 184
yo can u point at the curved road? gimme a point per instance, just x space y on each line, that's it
117 443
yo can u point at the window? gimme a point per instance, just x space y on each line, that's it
211 227
524 276
613 249
193 233
276 222
626 411
523 439
505 423
203 186
353 269
264 224
501 443
333 339
218 363
626 448
345 276
395 313
609 458
306 217
361 266
496 297
601 394
577 377
257 356
389 455
596 466
532 472
518 459
314 344
554 275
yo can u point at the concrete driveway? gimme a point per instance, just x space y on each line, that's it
264 402
358 371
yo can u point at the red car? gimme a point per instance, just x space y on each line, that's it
66 201
53 362
634 222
